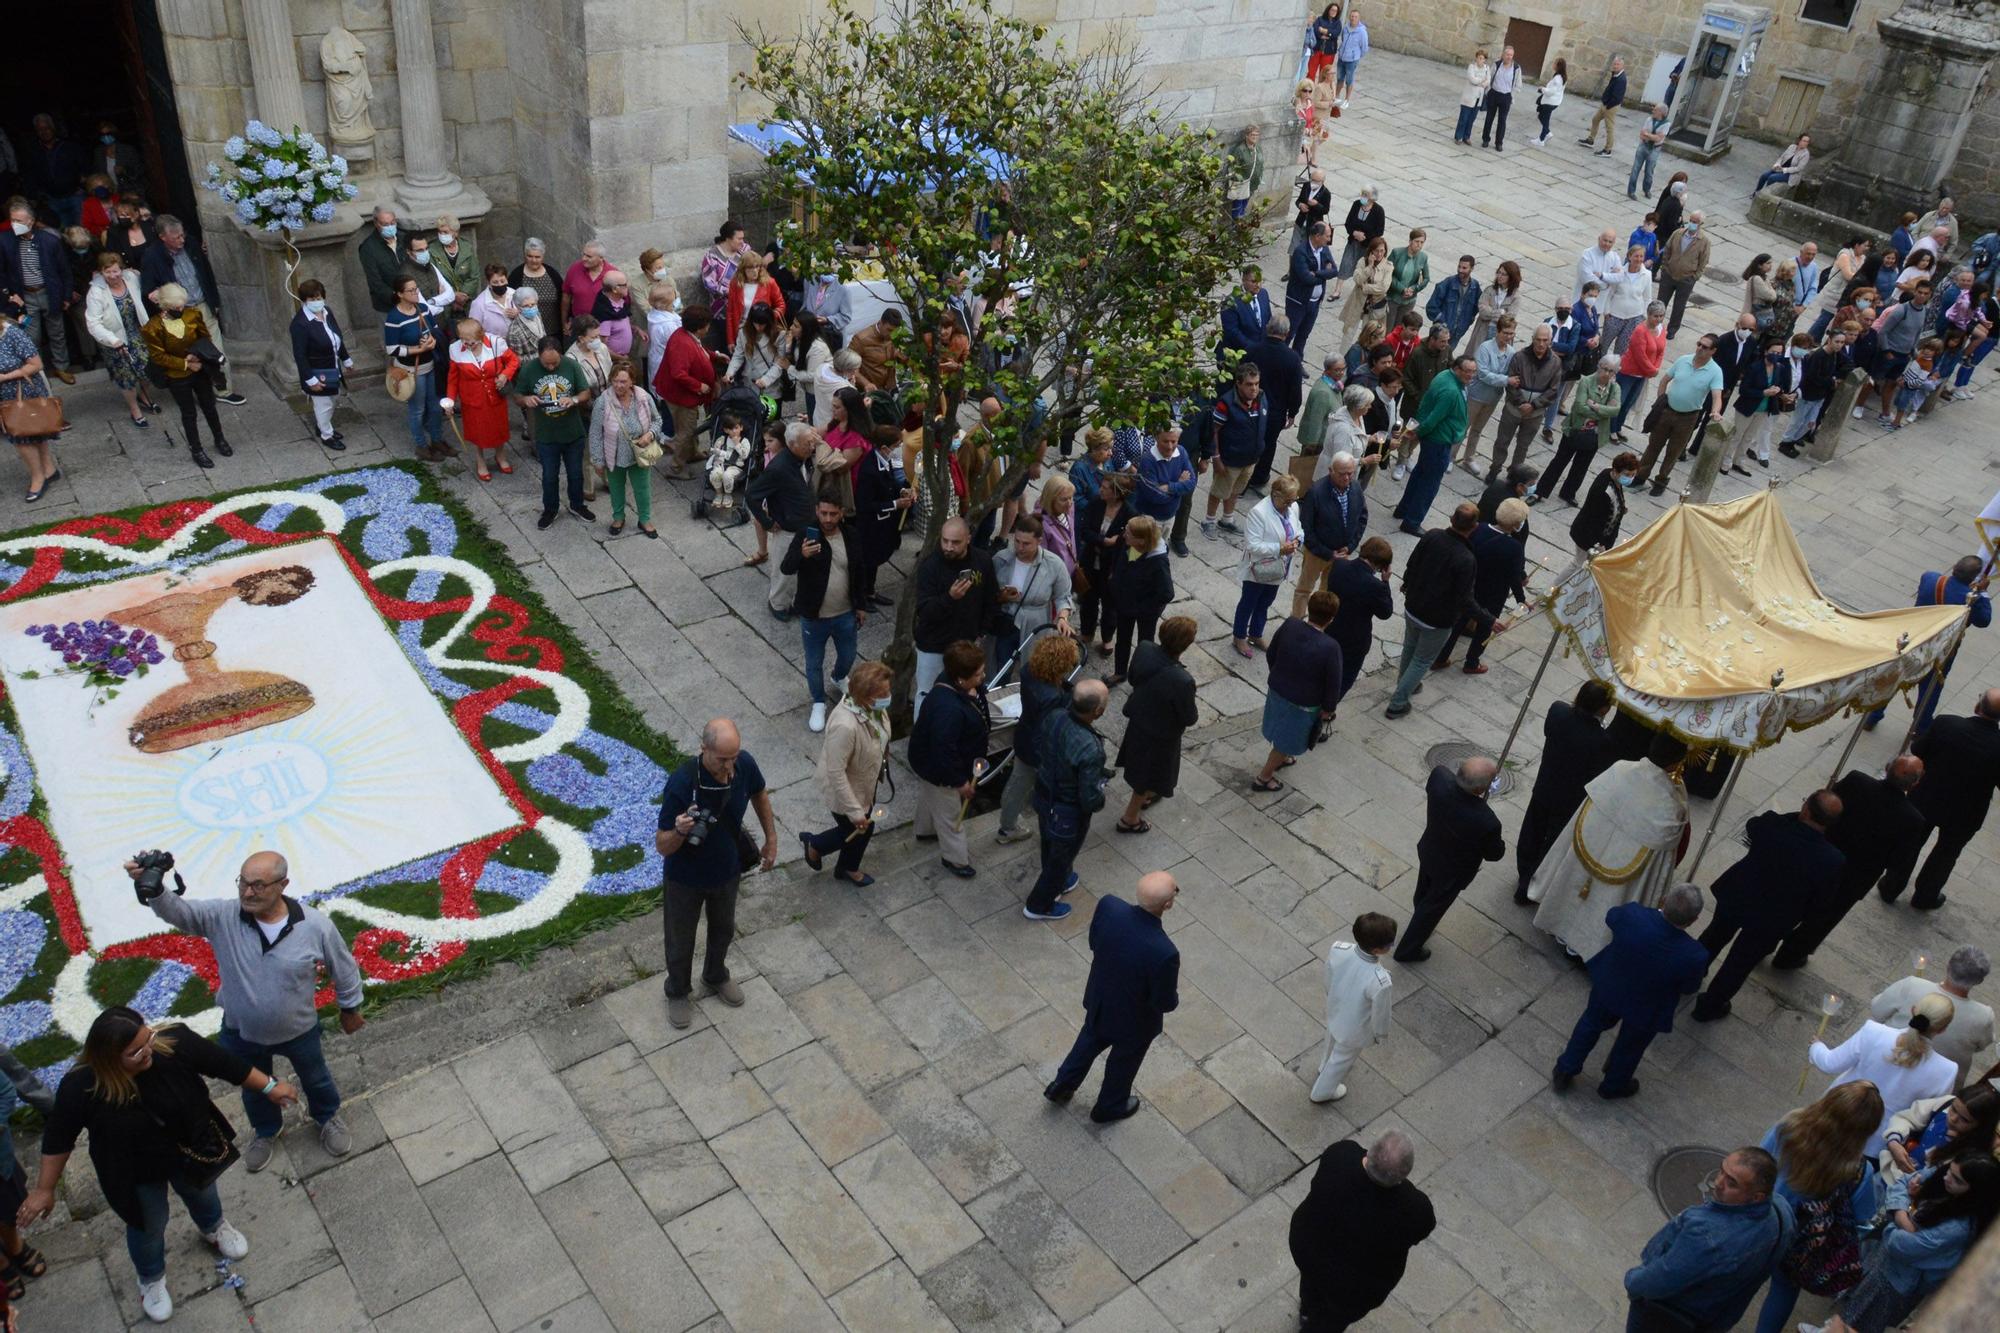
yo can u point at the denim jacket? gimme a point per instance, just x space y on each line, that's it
1708 1262
1914 1262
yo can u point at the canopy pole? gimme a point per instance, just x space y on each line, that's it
1853 739
1931 688
1554 637
1721 808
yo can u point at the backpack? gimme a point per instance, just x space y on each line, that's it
1825 1254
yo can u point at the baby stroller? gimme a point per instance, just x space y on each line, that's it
754 410
1003 710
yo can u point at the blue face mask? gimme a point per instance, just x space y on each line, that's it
315 307
880 705
107 139
388 233
1628 479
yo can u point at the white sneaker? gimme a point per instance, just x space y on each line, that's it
1860 412
153 1299
1400 471
228 1241
1338 1093
817 722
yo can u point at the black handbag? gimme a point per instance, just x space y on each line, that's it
213 1151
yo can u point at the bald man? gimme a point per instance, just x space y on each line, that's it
268 948
958 597
1877 820
1460 831
1134 984
1961 770
700 841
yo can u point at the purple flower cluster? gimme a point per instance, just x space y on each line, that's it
103 651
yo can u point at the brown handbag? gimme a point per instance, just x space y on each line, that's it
27 418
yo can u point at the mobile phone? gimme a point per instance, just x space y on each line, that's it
812 533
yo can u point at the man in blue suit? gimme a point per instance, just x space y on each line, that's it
1245 317
1313 266
1964 586
1134 978
1635 982
1790 867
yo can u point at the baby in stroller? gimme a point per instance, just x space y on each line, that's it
728 460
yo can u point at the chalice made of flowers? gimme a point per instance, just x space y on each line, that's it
215 704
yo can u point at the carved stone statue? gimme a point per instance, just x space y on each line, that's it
348 92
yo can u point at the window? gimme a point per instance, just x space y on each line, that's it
1833 13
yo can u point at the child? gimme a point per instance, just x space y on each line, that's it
1357 1000
1918 381
1409 331
479 368
727 459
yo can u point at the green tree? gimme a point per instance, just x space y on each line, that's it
979 157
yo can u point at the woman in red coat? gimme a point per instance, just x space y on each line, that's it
475 387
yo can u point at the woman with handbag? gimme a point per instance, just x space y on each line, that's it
411 336
850 772
1271 538
25 416
480 369
625 441
1831 1189
320 353
139 1094
1759 295
176 336
1370 297
1158 714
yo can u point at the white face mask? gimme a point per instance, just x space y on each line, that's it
659 275
22 228
444 238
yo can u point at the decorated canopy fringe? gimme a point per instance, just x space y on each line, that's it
1690 621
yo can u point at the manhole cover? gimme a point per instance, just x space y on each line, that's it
1677 1176
1452 753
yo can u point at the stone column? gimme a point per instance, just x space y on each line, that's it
429 185
274 64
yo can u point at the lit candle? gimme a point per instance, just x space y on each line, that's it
978 771
1919 960
1830 1006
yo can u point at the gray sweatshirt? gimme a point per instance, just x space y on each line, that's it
1540 380
267 989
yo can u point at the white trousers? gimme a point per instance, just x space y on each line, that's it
1333 1068
323 414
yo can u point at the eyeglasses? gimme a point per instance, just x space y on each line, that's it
243 883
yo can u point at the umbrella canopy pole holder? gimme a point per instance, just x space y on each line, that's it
1721 809
1932 688
1529 698
1853 739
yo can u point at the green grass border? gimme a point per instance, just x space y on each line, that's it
612 715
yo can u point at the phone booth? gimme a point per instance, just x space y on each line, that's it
1719 61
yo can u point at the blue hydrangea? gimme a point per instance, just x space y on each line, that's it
274 224
349 191
246 211
235 148
261 133
249 173
339 164
273 168
329 181
232 192
322 213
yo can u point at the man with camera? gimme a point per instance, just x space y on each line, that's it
706 850
269 948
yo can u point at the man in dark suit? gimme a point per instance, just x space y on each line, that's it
1575 749
1284 381
1333 520
1460 831
782 497
1635 982
1877 820
1134 984
1245 317
1500 570
1961 768
1313 266
1763 897
1352 1234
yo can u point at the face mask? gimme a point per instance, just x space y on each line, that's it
22 229
498 288
1693 227
107 139
315 307
880 705
420 256
444 238
100 192
591 343
529 311
659 275
1590 303
387 233
80 249
174 311
1562 313
1627 480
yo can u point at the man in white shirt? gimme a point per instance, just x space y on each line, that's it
1598 262
1357 1001
1500 100
1806 285
1937 243
1968 1041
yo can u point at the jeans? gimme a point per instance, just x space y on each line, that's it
1769 178
1819 326
929 667
685 904
1497 107
567 458
1238 207
1252 608
1627 1049
1014 797
1058 857
1433 456
48 323
1775 1315
1545 112
1421 643
148 1245
1805 418
641 481
1966 366
1629 389
842 838
425 417
308 1062
1466 115
1645 160
814 631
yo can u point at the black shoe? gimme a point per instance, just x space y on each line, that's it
1692 450
1523 899
233 398
1709 1015
334 444
1058 1094
1180 548
1630 195
1411 529
1788 963
1560 1080
812 854
1763 462
1614 1094
1657 488
963 872
338 436
547 519
1415 956
583 512
222 447
1789 450
1930 906
1742 471
201 459
1129 1109
782 617
1604 152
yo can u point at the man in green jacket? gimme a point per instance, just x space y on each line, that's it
1321 402
1440 426
381 262
1429 359
1409 274
1590 415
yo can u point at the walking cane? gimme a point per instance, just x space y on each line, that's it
451 417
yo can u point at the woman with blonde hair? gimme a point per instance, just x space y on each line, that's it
114 313
1369 298
457 259
174 337
748 289
1272 541
1311 132
1142 586
1901 1064
850 770
1831 1189
1057 507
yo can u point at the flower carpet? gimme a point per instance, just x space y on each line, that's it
348 671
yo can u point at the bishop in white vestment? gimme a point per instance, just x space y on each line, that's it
1619 847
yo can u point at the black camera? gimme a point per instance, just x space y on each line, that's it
151 880
704 820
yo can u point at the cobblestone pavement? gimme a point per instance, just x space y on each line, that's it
863 1144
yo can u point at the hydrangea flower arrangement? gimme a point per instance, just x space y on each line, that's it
102 652
280 182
